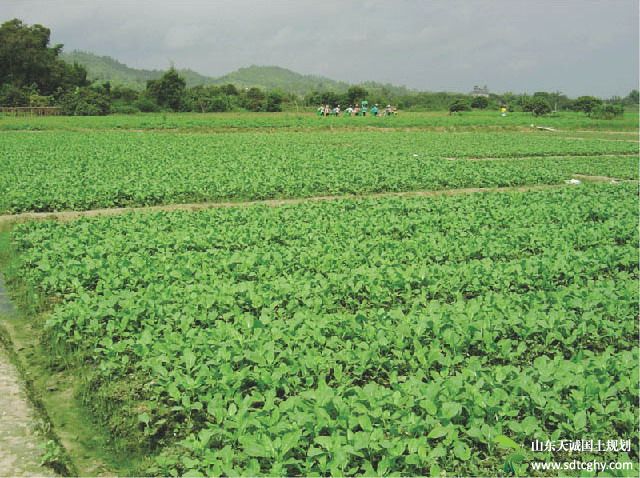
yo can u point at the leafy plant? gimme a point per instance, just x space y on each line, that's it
55 171
398 336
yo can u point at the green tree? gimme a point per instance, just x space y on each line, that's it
40 100
324 98
273 102
26 59
608 111
85 102
229 90
586 104
169 90
480 102
207 99
253 99
558 101
633 98
356 94
459 105
124 94
539 105
146 104
11 95
219 103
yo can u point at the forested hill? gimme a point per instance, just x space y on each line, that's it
103 68
274 77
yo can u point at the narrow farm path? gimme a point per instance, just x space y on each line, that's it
601 179
635 133
71 215
599 139
539 156
21 448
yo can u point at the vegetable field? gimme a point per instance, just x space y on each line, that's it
360 336
405 336
55 171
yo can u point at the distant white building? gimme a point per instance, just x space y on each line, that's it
477 91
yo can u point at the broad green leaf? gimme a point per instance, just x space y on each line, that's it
461 450
437 432
506 442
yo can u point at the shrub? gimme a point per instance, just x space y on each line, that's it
11 95
146 105
480 102
587 104
459 105
85 102
608 111
125 109
537 105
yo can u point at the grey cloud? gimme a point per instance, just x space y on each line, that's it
574 46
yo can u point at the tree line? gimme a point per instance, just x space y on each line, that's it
33 74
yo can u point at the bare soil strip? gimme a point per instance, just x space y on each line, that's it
71 215
599 139
541 156
635 133
21 448
602 179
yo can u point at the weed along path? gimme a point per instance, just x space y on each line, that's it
21 447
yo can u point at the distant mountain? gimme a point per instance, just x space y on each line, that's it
103 68
276 78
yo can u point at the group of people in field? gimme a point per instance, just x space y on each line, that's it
357 110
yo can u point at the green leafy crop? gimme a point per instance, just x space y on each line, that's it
53 171
373 337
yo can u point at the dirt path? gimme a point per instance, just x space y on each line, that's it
599 139
601 179
21 447
604 131
552 156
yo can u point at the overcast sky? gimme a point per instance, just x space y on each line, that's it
574 46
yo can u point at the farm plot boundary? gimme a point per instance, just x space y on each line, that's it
554 156
71 215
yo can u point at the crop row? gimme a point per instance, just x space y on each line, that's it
357 337
68 171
